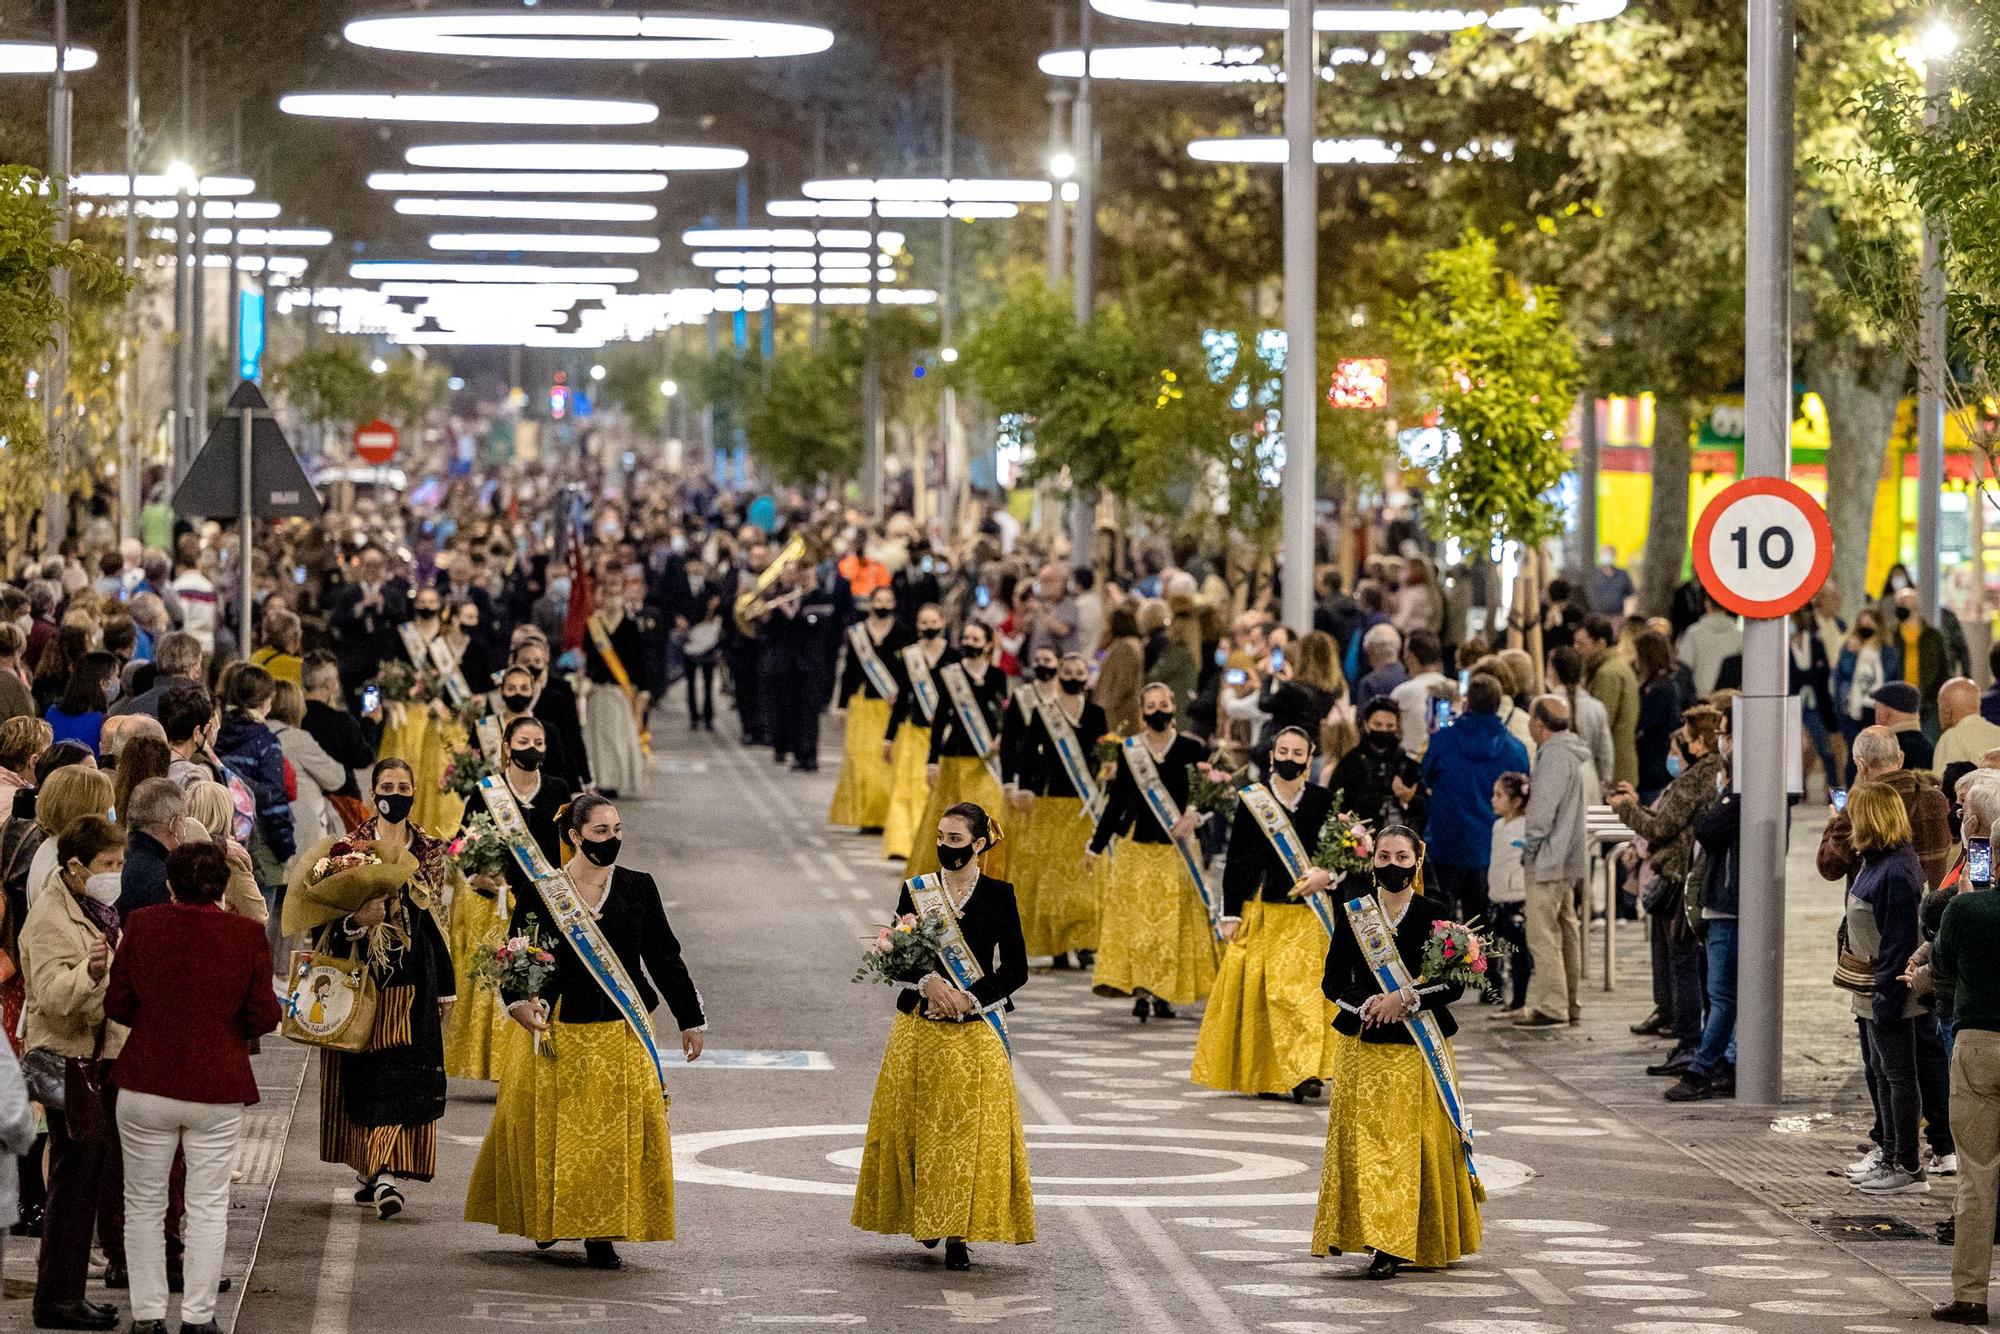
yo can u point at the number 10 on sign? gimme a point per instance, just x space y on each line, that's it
1763 548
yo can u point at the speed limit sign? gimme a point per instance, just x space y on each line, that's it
1763 548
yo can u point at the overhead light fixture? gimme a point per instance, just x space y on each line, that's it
581 36
262 236
480 338
550 242
1364 152
536 210
1375 18
668 389
818 208
454 271
954 191
1939 41
470 108
832 238
1166 64
549 292
577 157
164 186
40 58
520 182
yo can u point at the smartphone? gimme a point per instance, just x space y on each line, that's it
1221 657
298 574
926 565
1236 676
1464 680
1440 714
1277 660
1839 795
371 699
1979 861
982 596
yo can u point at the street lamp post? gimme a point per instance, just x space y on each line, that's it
1932 365
1301 312
1059 158
55 385
130 493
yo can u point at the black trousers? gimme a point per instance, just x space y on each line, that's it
743 675
1462 888
702 709
796 702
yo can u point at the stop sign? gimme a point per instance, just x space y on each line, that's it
376 442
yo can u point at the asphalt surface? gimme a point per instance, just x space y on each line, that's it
1160 1206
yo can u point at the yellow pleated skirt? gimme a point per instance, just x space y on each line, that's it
1268 1027
1153 934
477 1024
426 744
1060 913
1395 1178
946 1156
579 1147
909 790
1024 863
866 780
960 778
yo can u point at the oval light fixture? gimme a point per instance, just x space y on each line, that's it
164 186
452 271
40 58
470 108
1377 18
553 35
918 188
532 210
577 157
549 242
520 182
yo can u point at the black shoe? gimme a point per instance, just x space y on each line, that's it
75 1315
1652 1025
1723 1081
205 1327
1060 962
152 1327
547 1245
117 1278
1676 1063
366 1195
1309 1090
1947 1231
1162 1010
868 830
1384 1265
930 1243
1140 1011
388 1201
956 1256
1085 958
1960 1313
1692 1088
601 1255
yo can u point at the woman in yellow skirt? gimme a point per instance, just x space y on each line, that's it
1154 939
1019 735
907 744
476 1031
956 771
862 798
1059 916
1396 1179
579 1145
1267 1029
946 1159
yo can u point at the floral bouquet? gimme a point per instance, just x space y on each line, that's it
521 965
903 952
1214 789
463 771
1460 954
1345 845
400 683
1108 749
479 848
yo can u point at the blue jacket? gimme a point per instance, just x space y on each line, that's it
251 751
1459 768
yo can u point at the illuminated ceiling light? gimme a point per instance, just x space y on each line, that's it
1381 18
453 271
278 236
480 338
1062 166
957 190
164 186
40 58
520 182
1339 152
470 108
753 236
1166 64
579 36
549 292
286 264
537 210
668 389
553 243
577 157
817 208
1939 41
225 210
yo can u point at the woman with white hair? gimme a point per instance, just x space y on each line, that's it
211 812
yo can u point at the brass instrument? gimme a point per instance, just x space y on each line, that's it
752 604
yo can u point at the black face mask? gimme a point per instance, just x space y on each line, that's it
1395 879
1288 769
530 760
427 615
932 632
1045 673
1074 685
954 858
1864 633
1381 741
1159 722
1902 613
972 652
395 806
518 703
600 851
884 613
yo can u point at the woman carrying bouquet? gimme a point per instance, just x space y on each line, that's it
1057 764
1398 1178
1155 941
870 685
946 1159
964 763
1267 1029
906 746
579 1146
478 912
380 893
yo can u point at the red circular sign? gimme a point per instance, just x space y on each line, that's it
1763 548
376 442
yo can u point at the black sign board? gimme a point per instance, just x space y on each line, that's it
213 486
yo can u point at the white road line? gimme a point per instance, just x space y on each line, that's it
860 895
841 870
333 1302
826 892
1537 1286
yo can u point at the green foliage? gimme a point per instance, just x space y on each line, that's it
412 389
1499 365
330 383
632 375
805 421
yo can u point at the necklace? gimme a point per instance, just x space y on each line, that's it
596 904
956 899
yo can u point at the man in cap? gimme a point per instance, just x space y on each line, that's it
1899 708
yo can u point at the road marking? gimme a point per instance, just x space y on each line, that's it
711 1059
1537 1286
334 1299
860 895
841 871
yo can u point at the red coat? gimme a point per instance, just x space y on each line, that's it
194 985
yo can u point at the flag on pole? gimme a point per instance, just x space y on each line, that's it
577 616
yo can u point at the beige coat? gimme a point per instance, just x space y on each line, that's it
65 1008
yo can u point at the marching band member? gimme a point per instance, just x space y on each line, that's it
946 1158
1057 765
579 1145
1398 1177
616 705
907 744
870 685
1267 1029
965 748
1156 938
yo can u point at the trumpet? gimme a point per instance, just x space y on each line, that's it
754 602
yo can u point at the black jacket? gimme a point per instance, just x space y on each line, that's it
540 817
556 707
991 925
1717 829
1349 982
346 738
143 883
1036 766
854 681
366 637
1365 779
1126 814
948 736
906 708
634 921
1254 869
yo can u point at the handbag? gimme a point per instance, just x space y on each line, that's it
1851 972
46 1072
87 1096
330 1002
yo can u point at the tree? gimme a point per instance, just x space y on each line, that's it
329 384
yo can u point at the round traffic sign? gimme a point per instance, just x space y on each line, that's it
376 442
1763 548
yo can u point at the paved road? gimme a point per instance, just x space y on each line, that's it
1161 1207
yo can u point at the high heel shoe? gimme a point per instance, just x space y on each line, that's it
929 1243
1140 1010
601 1255
1308 1090
956 1256
1162 1010
1384 1265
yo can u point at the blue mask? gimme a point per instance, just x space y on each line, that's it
1674 765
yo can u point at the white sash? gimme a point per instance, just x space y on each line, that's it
1062 735
1146 775
922 685
972 718
446 663
1270 815
487 729
862 646
928 896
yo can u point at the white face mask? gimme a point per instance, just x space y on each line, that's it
103 887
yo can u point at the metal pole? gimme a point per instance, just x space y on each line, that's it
184 218
131 490
1766 453
871 390
246 528
55 384
1589 458
1932 369
1058 95
198 281
950 468
231 317
1083 139
1301 311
